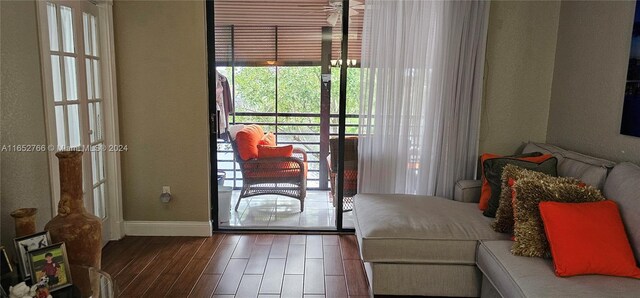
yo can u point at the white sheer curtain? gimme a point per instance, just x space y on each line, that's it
422 69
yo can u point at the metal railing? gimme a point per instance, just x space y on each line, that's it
297 129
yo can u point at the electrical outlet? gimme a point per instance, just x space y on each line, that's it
166 189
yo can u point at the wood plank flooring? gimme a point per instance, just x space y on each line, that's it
237 265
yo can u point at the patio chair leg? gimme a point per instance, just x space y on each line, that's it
243 192
301 205
238 203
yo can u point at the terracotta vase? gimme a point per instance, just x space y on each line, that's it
80 230
25 219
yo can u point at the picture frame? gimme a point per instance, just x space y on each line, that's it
630 122
26 243
51 262
5 263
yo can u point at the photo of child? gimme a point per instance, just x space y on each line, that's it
51 263
51 269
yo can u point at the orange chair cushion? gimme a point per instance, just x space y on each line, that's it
247 140
274 151
269 139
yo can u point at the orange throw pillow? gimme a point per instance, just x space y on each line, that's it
274 151
268 139
247 140
588 238
485 194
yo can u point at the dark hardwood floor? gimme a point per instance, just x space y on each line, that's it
234 265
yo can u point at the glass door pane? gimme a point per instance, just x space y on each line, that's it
66 16
94 111
276 64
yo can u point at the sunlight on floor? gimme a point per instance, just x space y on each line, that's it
272 211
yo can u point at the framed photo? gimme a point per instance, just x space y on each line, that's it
631 108
25 244
5 264
51 263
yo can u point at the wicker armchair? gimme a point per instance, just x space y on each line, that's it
285 176
350 170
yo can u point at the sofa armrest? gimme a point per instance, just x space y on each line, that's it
468 191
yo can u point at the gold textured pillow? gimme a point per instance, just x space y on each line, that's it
504 215
530 239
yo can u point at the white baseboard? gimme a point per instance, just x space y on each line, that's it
167 228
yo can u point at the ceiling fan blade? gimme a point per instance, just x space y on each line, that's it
353 3
358 7
353 12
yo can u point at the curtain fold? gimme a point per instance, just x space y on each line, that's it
421 92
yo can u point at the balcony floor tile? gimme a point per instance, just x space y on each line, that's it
284 212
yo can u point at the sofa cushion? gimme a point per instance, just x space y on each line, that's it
419 229
590 170
494 167
588 238
528 229
487 190
504 222
623 187
514 276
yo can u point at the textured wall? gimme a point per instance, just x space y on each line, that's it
162 99
25 179
519 69
588 84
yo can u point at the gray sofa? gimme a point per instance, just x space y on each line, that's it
433 246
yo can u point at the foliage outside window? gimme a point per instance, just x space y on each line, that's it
289 89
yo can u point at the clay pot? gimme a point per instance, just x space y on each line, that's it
25 219
80 230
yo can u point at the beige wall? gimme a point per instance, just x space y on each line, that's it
25 179
162 97
161 69
518 74
588 85
162 93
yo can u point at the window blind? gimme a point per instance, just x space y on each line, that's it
254 32
264 45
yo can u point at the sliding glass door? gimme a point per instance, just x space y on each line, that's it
277 67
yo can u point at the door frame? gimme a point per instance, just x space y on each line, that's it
111 130
213 128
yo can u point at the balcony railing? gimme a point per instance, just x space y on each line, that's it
297 129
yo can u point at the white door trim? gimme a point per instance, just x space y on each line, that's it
112 162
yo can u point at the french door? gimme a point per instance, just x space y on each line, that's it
75 97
